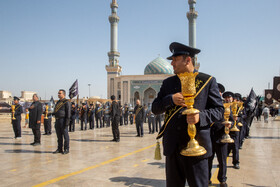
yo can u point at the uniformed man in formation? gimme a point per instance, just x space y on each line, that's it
16 121
98 115
139 115
73 117
91 114
62 112
219 148
115 116
35 114
125 115
47 120
170 100
151 121
84 116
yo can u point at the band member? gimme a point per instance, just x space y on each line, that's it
36 110
115 116
151 121
62 112
125 115
91 114
98 115
139 118
48 121
17 118
73 117
84 116
170 100
219 148
121 113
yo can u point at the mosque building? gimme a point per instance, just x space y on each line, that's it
129 88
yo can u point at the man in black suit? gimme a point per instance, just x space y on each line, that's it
36 110
139 115
170 100
73 117
62 112
84 116
115 116
16 121
98 115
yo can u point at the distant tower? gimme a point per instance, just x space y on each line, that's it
113 69
192 15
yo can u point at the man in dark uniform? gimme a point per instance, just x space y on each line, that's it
125 115
151 121
170 100
158 122
121 113
84 117
234 147
217 132
73 117
36 110
47 120
91 114
62 112
139 115
16 122
98 115
115 116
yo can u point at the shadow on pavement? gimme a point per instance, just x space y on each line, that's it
254 185
26 151
86 140
139 182
265 137
1 143
159 164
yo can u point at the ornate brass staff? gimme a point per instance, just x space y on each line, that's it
240 105
188 91
46 113
235 114
226 137
13 111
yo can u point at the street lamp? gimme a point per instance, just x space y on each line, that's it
89 90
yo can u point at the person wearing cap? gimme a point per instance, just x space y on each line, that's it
91 113
48 121
234 147
115 116
17 121
219 148
84 116
62 112
73 117
170 100
98 115
36 110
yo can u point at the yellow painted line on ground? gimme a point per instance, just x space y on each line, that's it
13 170
91 167
135 165
214 177
145 160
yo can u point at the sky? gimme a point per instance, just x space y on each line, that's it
45 45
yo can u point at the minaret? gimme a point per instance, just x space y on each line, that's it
192 15
113 69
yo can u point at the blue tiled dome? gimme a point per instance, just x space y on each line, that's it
158 66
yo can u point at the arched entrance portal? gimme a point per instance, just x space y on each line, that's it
136 96
149 96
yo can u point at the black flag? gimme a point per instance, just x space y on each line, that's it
251 103
73 91
268 97
276 88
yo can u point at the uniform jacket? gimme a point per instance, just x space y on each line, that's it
73 114
35 113
84 114
208 102
91 114
139 113
115 111
99 112
18 112
63 110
